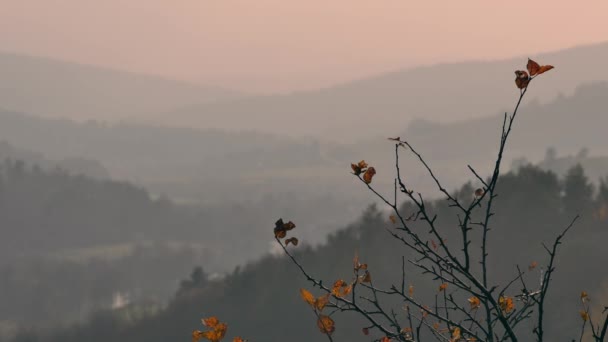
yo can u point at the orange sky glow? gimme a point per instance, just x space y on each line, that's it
286 45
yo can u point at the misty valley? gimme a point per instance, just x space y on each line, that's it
132 206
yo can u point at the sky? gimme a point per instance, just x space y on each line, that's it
268 46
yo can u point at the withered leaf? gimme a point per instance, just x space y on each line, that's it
326 324
474 302
321 302
292 240
307 297
521 79
210 322
367 278
281 228
368 175
533 67
341 288
544 68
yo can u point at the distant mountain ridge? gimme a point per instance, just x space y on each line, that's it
384 104
59 89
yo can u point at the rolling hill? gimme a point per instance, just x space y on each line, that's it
60 89
383 104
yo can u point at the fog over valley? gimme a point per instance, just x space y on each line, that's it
147 151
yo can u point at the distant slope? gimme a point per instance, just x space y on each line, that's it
260 301
383 104
212 165
62 89
72 165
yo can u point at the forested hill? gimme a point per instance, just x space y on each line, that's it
261 301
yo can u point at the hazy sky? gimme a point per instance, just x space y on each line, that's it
282 45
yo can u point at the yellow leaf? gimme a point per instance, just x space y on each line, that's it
326 324
307 296
584 296
584 315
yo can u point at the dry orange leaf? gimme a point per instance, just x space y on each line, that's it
544 68
210 322
474 302
532 265
367 278
238 339
321 302
294 241
506 304
357 265
341 288
217 334
536 69
521 79
326 324
307 297
356 169
443 286
385 339
410 291
533 67
584 315
197 335
281 228
368 175
455 335
479 192
393 219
